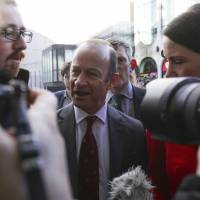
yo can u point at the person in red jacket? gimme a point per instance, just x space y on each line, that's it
169 162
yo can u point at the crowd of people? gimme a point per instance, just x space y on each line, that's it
93 131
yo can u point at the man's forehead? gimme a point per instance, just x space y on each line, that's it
10 16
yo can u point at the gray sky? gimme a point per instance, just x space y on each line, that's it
71 21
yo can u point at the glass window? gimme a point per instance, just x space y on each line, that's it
145 20
172 8
68 54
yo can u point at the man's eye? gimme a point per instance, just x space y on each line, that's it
93 74
121 60
74 72
11 33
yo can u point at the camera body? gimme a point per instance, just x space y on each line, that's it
13 107
171 109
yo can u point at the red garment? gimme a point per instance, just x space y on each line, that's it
181 160
168 164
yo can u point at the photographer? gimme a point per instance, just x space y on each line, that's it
171 162
42 118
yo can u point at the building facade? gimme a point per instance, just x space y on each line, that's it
150 18
53 58
33 59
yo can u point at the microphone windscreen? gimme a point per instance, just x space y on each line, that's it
132 185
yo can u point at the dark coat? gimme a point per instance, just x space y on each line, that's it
138 94
126 137
189 188
63 99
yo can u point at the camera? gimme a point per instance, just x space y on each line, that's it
13 113
171 109
13 106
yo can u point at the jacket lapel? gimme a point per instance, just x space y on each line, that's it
114 119
66 120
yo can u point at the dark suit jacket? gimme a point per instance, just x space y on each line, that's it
62 99
126 138
138 94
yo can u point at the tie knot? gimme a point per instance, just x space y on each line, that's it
117 100
90 120
118 96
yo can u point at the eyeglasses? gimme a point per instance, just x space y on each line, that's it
14 35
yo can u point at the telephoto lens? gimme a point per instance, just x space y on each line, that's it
171 109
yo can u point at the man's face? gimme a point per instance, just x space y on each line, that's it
122 69
11 52
88 77
182 61
66 80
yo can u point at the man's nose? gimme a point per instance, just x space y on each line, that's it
81 79
20 44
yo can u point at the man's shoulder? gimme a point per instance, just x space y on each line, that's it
123 119
138 90
60 93
65 111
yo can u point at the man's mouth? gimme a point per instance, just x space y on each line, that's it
18 56
80 93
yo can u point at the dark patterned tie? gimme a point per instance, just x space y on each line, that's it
117 98
88 184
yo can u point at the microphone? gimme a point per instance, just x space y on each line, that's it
132 185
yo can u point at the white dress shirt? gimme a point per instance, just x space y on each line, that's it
100 131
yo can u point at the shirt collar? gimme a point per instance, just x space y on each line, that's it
81 114
127 92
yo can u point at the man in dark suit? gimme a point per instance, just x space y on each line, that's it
123 95
119 139
63 96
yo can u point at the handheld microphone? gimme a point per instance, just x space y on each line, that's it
132 185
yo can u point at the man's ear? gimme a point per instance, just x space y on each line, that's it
114 80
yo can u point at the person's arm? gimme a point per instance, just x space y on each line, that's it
42 117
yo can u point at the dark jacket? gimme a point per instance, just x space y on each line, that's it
63 99
189 189
126 139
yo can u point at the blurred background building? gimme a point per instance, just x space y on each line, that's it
143 32
150 17
53 59
33 58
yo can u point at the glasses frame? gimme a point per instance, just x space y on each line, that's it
15 35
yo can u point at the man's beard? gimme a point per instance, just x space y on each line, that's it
4 77
12 70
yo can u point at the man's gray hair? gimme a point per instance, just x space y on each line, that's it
116 43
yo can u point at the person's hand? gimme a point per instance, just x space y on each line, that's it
42 117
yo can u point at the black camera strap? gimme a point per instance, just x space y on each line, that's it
29 149
31 165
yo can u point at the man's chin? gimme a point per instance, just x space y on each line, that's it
13 72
